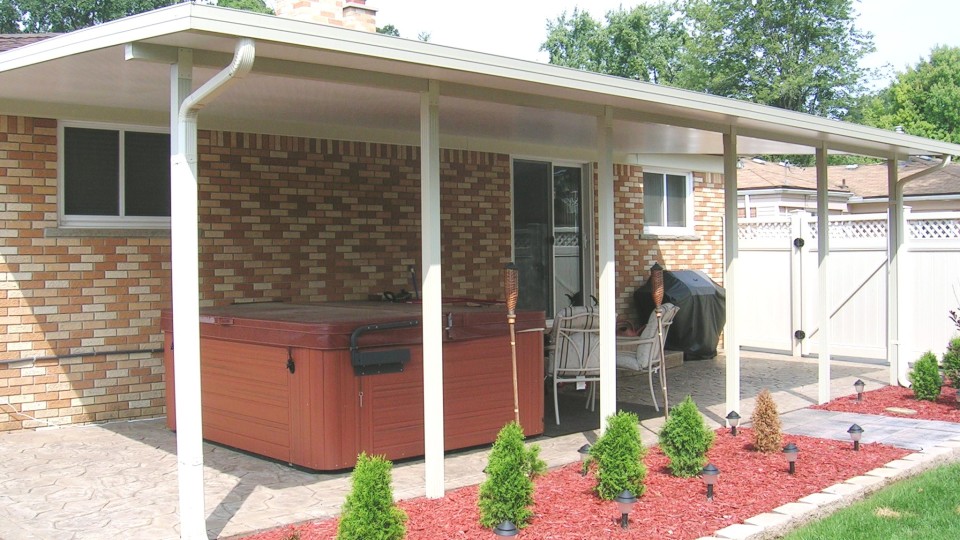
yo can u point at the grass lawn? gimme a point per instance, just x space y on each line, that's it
927 506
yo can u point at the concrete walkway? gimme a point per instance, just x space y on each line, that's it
120 479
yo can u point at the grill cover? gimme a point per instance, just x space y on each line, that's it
696 328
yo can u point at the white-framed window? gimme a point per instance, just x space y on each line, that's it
668 202
114 176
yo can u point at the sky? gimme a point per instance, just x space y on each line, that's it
904 30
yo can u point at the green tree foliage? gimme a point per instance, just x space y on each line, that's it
39 16
369 512
925 377
951 362
923 99
801 55
507 493
618 454
685 439
388 30
257 6
642 43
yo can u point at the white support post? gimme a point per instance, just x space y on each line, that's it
608 273
823 278
799 228
730 252
894 247
185 279
823 252
432 293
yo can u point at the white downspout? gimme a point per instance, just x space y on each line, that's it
896 238
186 283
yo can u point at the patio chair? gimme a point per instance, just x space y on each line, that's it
643 353
574 354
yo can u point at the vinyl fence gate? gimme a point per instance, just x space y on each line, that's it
778 260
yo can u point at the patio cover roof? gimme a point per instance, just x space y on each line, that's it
319 81
323 81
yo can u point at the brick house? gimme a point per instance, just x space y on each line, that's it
325 163
280 218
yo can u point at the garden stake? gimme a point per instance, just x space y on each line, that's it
510 292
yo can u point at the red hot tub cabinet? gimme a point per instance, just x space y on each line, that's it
277 379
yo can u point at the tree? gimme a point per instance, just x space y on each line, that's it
256 6
801 55
643 43
39 16
388 30
923 99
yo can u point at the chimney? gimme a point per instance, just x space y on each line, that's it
354 14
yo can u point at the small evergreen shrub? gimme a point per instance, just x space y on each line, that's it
925 377
507 493
618 454
767 434
951 362
369 512
685 439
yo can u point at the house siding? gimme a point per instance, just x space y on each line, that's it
281 218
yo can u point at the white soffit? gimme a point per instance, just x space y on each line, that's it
363 85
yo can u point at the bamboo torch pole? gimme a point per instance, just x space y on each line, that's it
511 292
656 282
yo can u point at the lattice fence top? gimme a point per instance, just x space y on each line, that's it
855 227
567 239
764 230
934 229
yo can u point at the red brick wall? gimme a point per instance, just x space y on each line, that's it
636 254
280 218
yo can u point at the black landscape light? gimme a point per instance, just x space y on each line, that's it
855 432
584 452
734 419
791 451
625 501
858 386
710 474
507 528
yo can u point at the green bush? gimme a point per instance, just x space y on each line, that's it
925 377
951 362
618 454
685 439
507 493
369 512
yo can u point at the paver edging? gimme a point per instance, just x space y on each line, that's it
835 501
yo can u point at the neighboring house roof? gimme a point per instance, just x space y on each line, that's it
12 41
866 181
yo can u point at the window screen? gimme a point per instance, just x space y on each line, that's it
147 174
91 164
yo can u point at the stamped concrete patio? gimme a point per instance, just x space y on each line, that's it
120 479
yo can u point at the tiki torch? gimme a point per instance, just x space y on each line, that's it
510 290
656 290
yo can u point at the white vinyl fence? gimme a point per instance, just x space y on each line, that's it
778 260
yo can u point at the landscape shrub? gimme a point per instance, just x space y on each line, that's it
767 432
925 377
618 454
685 439
369 512
951 362
507 493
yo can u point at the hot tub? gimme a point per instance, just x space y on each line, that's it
280 379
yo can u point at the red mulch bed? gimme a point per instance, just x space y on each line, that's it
877 401
566 507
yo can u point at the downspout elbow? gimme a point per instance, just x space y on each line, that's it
242 63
